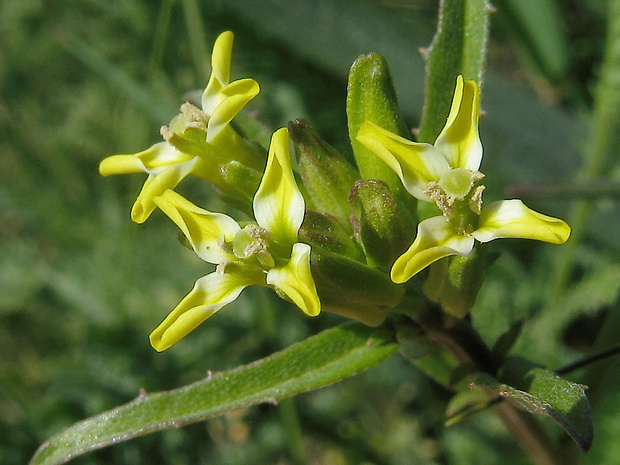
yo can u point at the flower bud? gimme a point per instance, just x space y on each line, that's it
455 281
383 225
240 184
323 230
327 176
371 97
351 289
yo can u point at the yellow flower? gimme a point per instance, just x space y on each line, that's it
166 164
446 173
266 253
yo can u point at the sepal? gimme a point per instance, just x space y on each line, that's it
327 176
382 224
324 231
351 289
455 282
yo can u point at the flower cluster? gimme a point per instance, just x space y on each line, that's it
332 247
266 252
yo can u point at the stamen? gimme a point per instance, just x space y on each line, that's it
444 202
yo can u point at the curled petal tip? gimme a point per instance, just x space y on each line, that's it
121 164
435 239
278 204
512 219
295 280
209 295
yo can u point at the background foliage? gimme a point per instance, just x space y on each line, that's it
81 286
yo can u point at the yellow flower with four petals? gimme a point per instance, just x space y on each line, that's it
446 173
165 164
265 253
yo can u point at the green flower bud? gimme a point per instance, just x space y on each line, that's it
240 184
323 230
351 289
327 176
455 282
371 97
383 225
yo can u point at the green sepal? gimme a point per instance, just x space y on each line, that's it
439 364
371 97
350 288
326 174
455 281
322 230
240 184
383 225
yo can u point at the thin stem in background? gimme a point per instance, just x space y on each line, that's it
197 40
600 150
160 35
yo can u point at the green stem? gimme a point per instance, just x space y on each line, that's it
160 35
459 47
465 344
287 411
603 146
197 41
294 433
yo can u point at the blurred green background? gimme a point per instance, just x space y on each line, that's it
81 286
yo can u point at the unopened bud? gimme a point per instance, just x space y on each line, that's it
240 184
383 225
455 281
327 176
322 230
351 289
371 97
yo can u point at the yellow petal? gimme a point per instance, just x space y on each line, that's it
203 229
156 184
416 164
278 204
210 294
436 239
295 280
152 160
511 218
234 97
220 72
459 140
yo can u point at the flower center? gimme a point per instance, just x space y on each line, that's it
458 197
457 183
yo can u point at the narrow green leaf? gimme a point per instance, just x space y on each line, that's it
459 47
321 360
540 391
539 30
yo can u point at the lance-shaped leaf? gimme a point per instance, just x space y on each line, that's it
540 391
321 360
